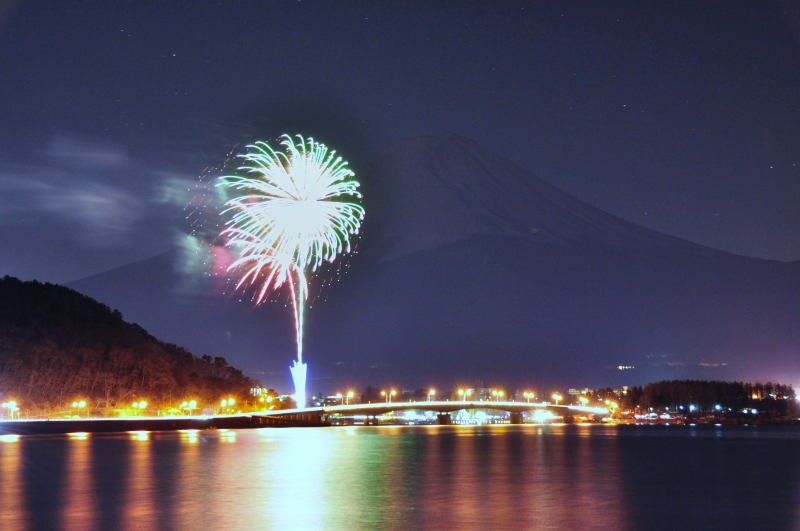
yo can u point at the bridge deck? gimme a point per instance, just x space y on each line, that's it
440 406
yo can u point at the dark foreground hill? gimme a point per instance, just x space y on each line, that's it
57 345
472 269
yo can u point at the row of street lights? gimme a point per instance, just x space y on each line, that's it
463 394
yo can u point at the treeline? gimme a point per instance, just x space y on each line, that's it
57 345
706 395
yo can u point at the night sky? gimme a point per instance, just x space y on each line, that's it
677 116
683 118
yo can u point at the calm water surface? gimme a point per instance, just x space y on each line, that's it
488 477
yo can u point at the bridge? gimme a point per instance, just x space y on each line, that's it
443 408
312 416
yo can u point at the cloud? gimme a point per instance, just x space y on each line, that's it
712 364
71 150
101 209
174 188
74 206
34 195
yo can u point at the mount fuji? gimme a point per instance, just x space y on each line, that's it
472 269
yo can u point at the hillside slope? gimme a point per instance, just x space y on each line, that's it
57 345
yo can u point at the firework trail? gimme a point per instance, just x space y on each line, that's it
292 210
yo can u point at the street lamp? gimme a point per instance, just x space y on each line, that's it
583 400
225 403
79 404
340 397
190 405
528 396
557 397
350 394
464 393
388 395
12 408
500 395
431 393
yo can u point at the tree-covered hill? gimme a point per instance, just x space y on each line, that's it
57 345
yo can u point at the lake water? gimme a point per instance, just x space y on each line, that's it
487 477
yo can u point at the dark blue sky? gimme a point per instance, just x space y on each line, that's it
675 115
682 117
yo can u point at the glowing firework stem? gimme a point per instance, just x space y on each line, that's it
287 217
299 296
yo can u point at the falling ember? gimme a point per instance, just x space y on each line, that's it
291 211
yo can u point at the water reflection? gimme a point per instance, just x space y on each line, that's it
12 503
79 499
189 510
410 477
138 511
189 436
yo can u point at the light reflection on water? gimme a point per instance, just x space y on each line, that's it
12 508
498 477
78 512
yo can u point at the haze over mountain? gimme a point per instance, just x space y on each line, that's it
468 256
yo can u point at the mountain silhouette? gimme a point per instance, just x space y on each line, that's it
472 269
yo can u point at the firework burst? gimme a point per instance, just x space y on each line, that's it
292 210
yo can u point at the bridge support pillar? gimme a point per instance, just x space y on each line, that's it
515 417
444 419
